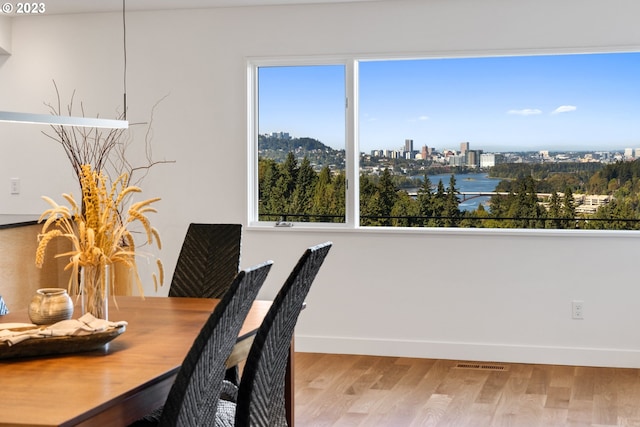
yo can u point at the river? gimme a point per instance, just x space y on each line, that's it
468 182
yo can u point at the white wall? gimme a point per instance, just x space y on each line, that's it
464 295
5 35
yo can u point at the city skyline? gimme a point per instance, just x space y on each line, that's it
402 148
511 103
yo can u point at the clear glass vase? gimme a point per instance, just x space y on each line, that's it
95 281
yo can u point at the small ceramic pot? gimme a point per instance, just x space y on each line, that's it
50 305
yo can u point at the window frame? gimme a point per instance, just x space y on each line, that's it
351 149
352 152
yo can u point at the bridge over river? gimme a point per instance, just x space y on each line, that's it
468 195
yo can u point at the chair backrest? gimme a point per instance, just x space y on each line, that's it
208 261
193 398
261 399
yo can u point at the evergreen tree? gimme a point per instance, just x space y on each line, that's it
451 210
521 209
499 206
387 196
329 197
614 210
424 199
338 197
404 211
278 204
374 213
322 193
438 204
536 212
555 212
480 218
524 205
289 175
368 191
303 193
267 182
568 209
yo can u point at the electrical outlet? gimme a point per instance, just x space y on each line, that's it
577 309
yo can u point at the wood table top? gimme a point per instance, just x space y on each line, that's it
114 385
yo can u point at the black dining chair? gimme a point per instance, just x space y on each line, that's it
193 398
208 261
260 399
207 264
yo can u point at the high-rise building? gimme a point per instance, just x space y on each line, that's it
408 145
407 152
473 158
487 160
456 160
464 147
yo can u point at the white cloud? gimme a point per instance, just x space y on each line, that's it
525 112
418 119
564 109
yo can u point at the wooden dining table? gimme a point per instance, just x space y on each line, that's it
120 382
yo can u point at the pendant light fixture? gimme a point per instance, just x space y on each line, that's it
55 120
50 119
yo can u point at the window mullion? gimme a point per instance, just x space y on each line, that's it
352 149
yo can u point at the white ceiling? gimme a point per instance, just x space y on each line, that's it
86 6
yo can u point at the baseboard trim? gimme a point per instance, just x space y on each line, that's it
548 355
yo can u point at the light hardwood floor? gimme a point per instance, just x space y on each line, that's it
351 390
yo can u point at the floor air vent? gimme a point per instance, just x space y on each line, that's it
481 366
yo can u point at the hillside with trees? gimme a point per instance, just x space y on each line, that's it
317 153
297 189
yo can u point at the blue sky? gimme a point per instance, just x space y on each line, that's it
567 102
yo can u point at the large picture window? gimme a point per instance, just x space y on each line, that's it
537 141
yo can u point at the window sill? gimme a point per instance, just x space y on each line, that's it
512 232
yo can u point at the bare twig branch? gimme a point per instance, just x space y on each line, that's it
105 151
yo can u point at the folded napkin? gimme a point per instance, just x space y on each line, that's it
85 325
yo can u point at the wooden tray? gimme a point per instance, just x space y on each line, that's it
59 345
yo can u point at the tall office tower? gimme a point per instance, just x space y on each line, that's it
425 152
473 158
487 160
464 147
408 145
